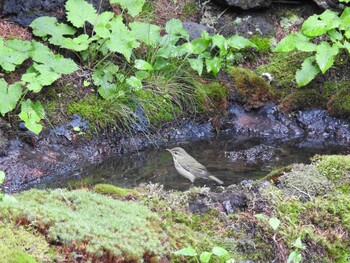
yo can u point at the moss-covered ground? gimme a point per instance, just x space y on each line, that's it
111 224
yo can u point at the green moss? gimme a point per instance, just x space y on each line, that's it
334 167
108 189
97 225
302 99
190 9
339 104
304 181
262 43
275 174
283 68
20 245
252 90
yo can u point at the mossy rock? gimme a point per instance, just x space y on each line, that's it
263 44
251 90
303 99
334 167
108 189
339 104
20 245
97 226
305 182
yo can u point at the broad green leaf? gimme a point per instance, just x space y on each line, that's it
220 252
79 11
213 65
293 41
142 75
187 251
160 63
219 41
10 58
294 257
205 257
48 26
147 33
345 18
20 45
239 42
122 40
196 64
104 78
313 26
307 72
32 114
79 43
200 45
134 82
335 35
325 54
108 91
175 30
102 27
347 46
298 244
274 223
2 177
9 96
134 7
142 65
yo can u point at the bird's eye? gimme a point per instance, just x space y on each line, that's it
175 152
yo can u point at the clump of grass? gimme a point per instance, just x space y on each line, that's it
108 189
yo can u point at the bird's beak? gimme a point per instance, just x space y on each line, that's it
168 150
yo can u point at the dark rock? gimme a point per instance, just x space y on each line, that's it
24 12
235 203
257 154
195 30
199 205
246 4
190 130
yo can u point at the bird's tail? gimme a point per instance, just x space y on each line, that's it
216 179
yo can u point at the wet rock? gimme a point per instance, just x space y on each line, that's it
68 130
199 205
257 154
190 130
4 143
269 121
246 4
195 30
318 124
235 203
24 12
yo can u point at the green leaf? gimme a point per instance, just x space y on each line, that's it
196 64
142 75
134 7
142 65
294 257
122 40
2 177
213 65
79 43
102 27
20 45
48 26
104 78
200 45
239 42
298 244
220 252
31 114
10 58
205 257
313 26
175 31
134 82
325 55
160 63
219 41
9 96
293 41
147 33
345 18
79 11
187 251
274 223
307 72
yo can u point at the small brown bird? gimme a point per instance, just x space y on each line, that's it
188 167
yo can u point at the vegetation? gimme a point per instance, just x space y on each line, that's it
325 36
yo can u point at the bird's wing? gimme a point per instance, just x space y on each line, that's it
197 169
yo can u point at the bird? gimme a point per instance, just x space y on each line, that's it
188 167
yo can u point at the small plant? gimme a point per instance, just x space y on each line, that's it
325 36
295 256
205 257
2 179
46 68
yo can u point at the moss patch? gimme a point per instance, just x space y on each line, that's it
21 245
339 104
252 90
108 189
97 226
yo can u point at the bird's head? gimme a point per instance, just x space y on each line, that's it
177 151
